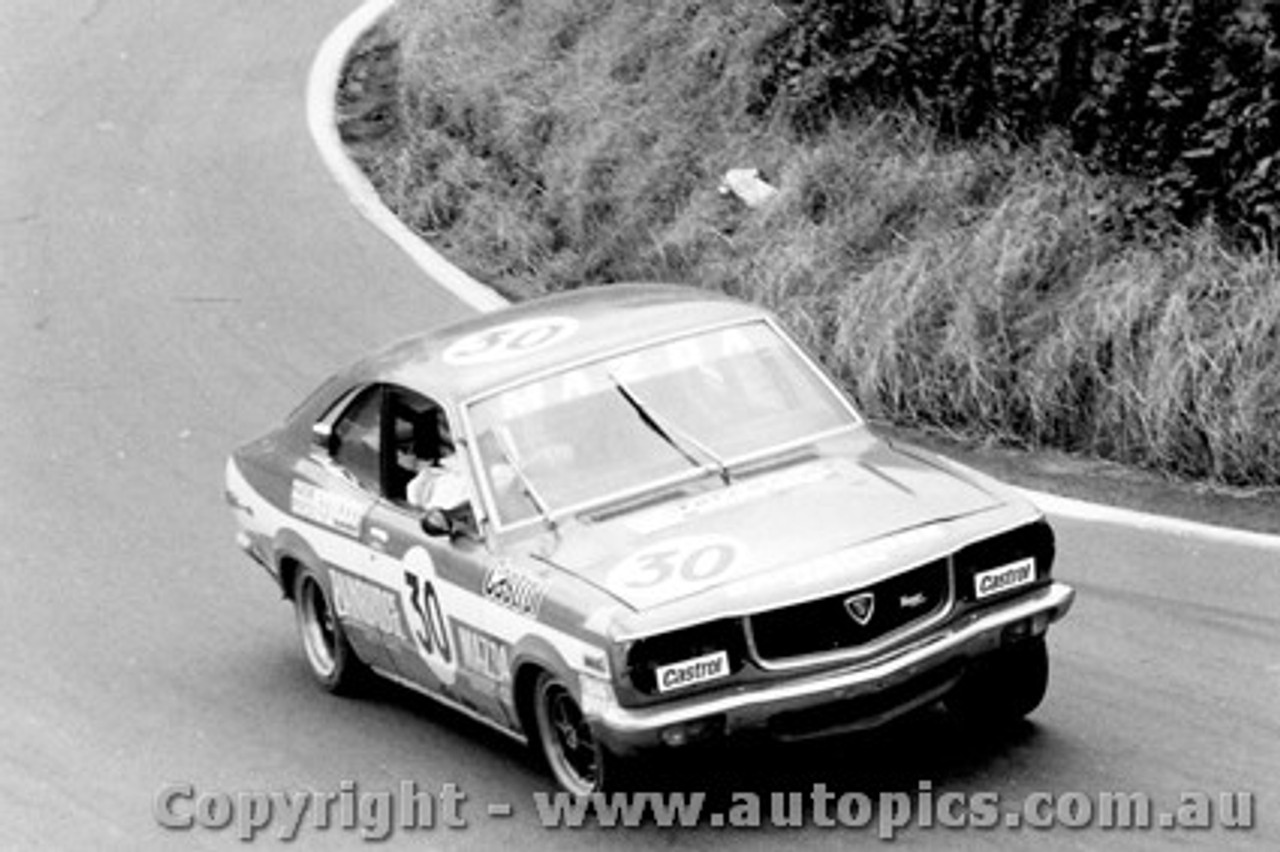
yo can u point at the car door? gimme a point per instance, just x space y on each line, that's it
338 489
443 646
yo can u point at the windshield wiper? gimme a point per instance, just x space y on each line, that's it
665 429
508 455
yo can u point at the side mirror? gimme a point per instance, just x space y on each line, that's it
322 435
436 523
459 521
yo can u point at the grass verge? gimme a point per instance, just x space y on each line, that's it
993 293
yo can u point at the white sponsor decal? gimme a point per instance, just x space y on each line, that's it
512 340
674 567
367 603
324 507
701 353
1009 576
694 671
482 654
670 515
514 589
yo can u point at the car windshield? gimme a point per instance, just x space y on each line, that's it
617 426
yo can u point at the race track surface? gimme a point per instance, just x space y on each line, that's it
176 269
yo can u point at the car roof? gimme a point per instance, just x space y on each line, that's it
604 318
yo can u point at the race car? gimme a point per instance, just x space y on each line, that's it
636 518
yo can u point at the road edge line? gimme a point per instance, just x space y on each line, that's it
322 84
1083 510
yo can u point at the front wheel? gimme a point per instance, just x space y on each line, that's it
329 655
580 764
1004 686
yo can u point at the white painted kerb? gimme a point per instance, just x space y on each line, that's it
322 83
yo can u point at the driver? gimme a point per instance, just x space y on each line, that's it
438 484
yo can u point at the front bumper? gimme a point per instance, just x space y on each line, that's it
871 692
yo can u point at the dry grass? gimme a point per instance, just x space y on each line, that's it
989 290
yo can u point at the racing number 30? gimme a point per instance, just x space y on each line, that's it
430 629
691 566
512 340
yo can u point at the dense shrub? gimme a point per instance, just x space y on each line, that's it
1184 93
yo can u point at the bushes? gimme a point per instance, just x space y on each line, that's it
1026 330
987 287
1183 93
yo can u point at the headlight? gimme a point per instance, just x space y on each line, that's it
685 658
1016 559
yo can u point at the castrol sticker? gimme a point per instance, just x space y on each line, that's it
1005 577
692 672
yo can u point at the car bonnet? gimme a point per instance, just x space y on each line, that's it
774 523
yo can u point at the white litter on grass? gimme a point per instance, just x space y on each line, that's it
748 186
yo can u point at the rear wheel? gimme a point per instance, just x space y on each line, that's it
579 762
329 655
1004 686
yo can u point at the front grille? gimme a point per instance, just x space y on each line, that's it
832 624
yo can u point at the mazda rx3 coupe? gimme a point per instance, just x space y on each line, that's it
664 525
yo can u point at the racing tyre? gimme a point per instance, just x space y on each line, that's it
579 763
1004 686
329 655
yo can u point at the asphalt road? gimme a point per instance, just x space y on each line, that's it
176 269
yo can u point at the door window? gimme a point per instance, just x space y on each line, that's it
357 438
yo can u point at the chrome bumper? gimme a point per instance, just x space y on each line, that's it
626 730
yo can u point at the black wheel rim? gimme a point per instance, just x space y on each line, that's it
570 746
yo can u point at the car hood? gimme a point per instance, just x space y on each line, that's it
841 495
